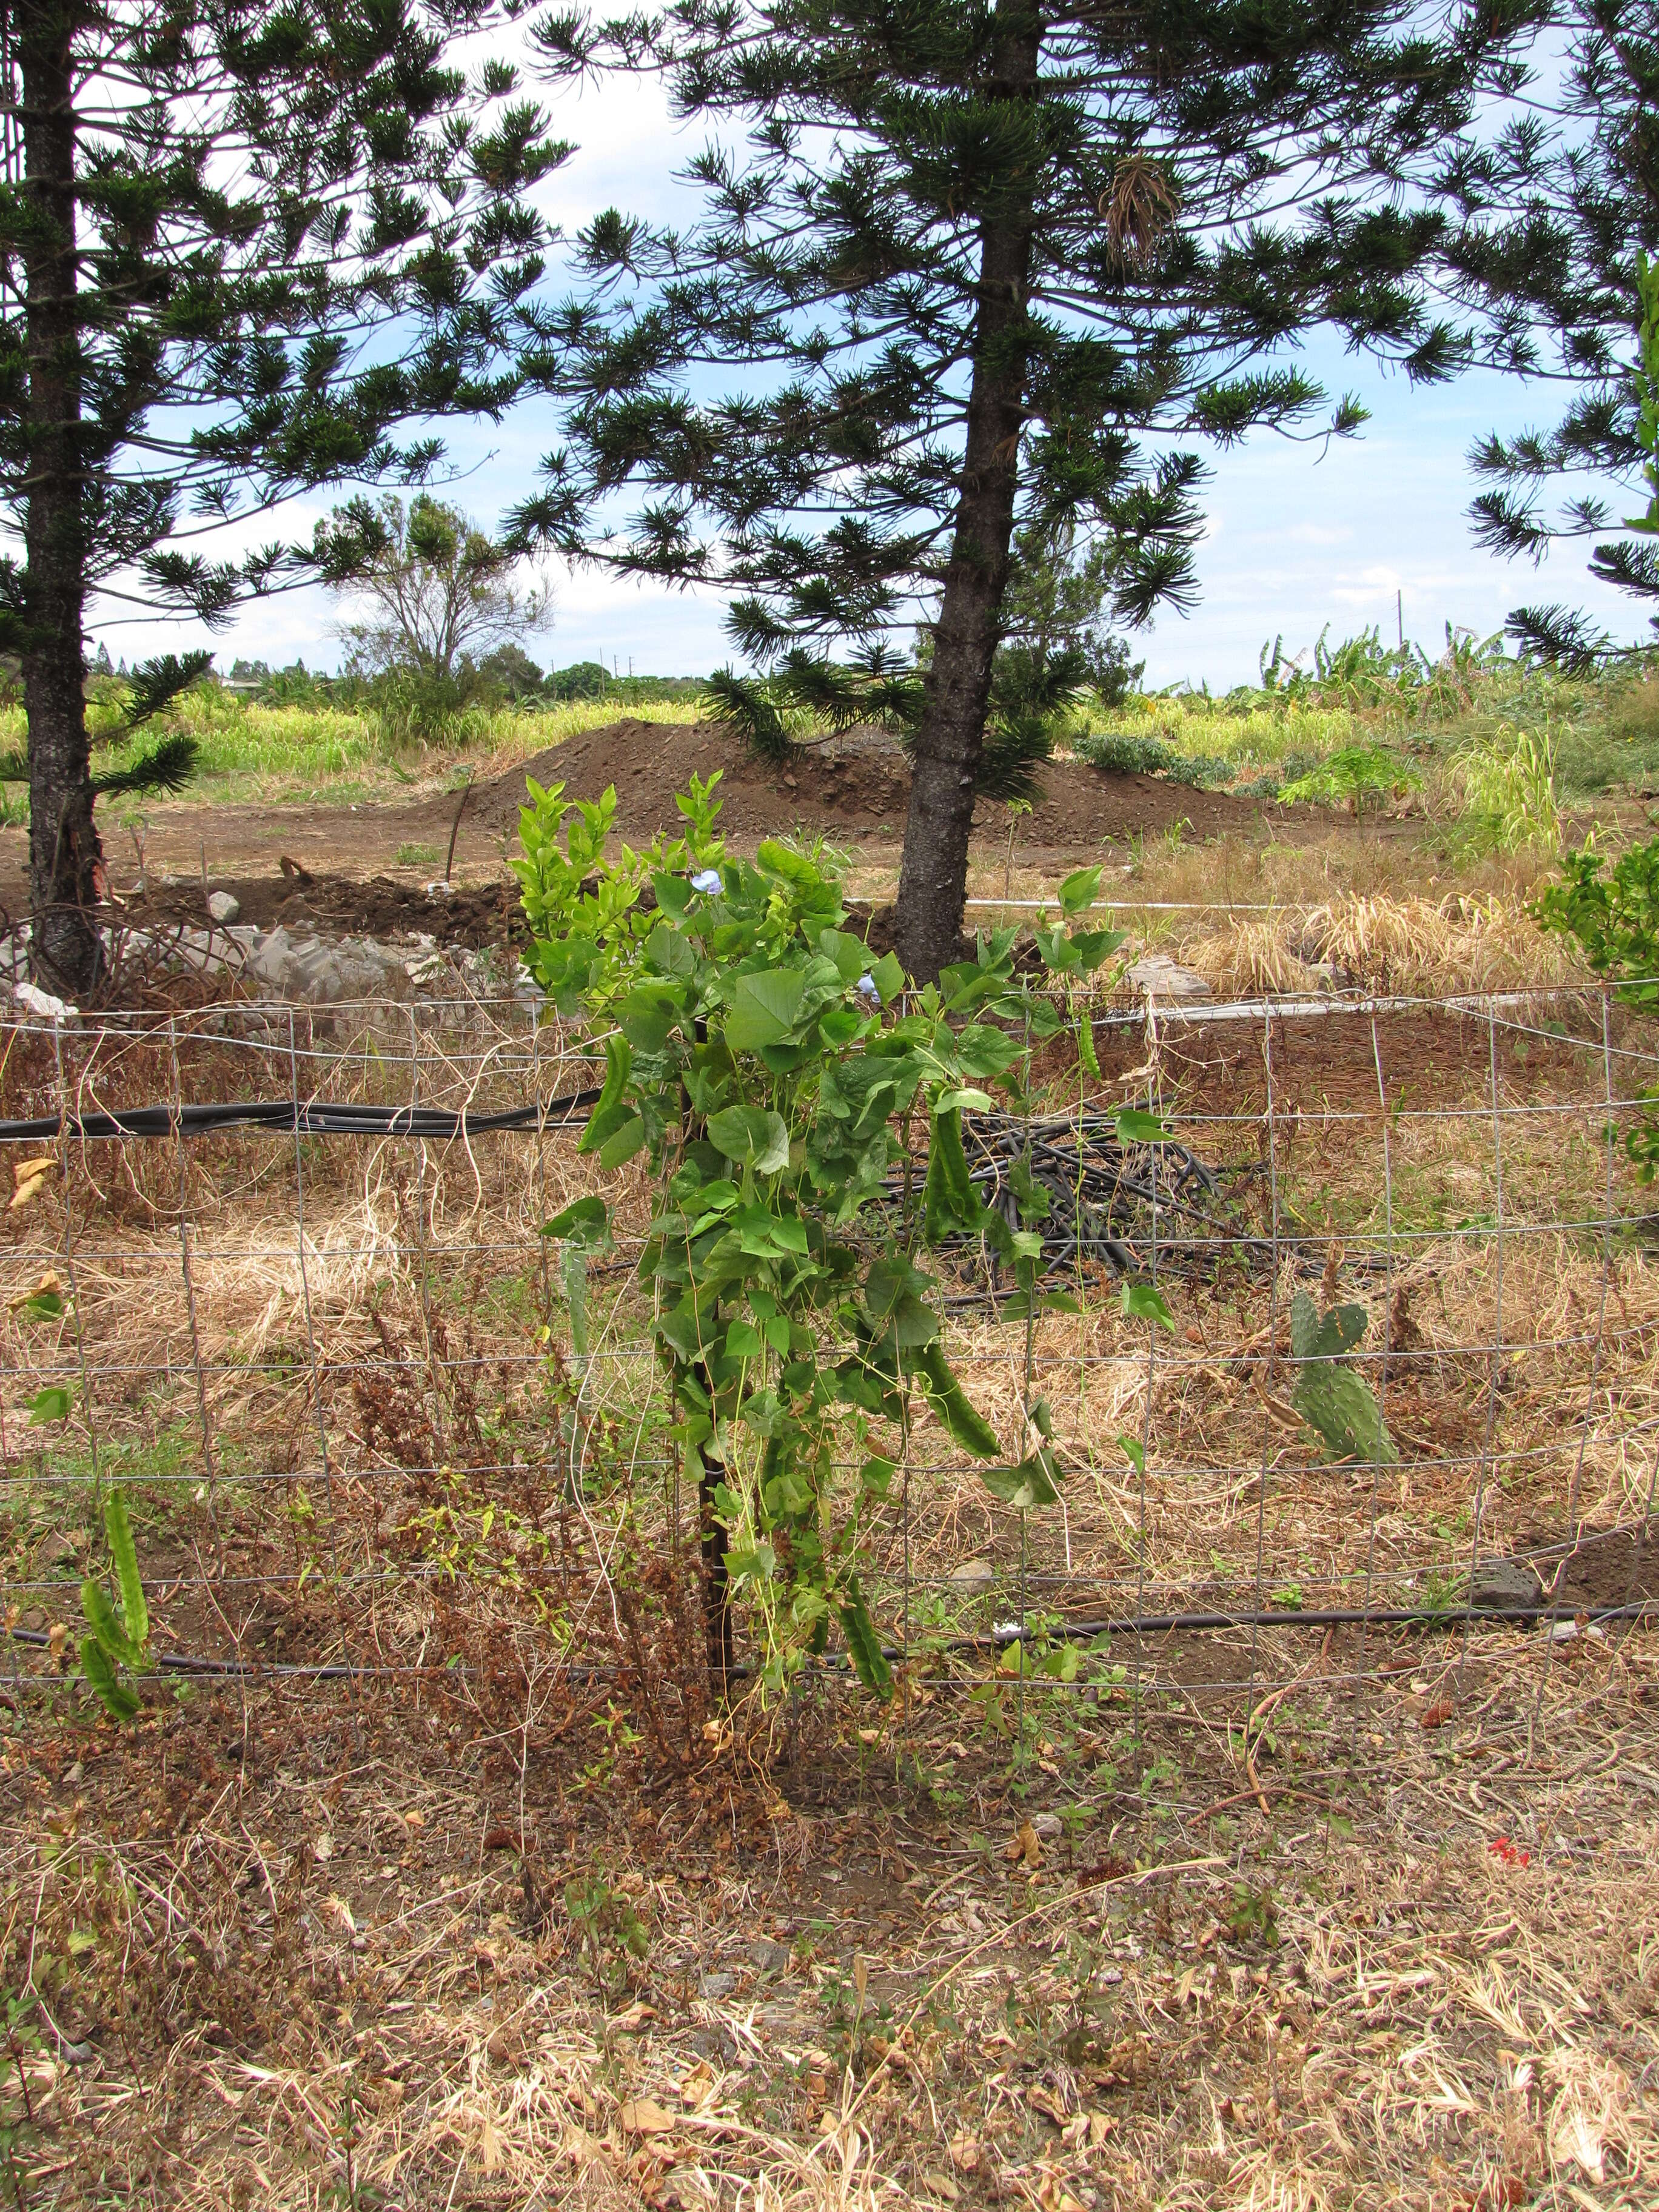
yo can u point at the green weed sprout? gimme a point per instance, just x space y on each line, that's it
115 1651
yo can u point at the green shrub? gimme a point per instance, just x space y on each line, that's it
411 707
1353 776
1123 752
762 1063
1508 787
1613 918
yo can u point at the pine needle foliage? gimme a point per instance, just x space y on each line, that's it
984 264
1569 277
245 252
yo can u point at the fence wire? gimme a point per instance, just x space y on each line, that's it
336 1377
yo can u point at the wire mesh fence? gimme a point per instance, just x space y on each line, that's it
333 1369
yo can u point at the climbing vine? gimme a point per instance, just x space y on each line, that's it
775 1074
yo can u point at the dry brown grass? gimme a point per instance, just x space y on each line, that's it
1232 2013
347 1960
1462 943
1256 917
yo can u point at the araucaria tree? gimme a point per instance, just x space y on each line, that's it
1585 183
988 262
248 248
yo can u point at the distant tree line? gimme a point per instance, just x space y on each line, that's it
506 676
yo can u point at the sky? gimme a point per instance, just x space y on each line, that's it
1299 538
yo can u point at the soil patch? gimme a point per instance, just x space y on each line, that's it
1606 1566
858 785
380 907
1329 1063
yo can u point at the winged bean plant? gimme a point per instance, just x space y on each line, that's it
780 1080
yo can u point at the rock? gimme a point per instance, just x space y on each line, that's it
716 1986
1159 977
55 1550
223 906
43 1003
313 972
1047 1826
770 1958
974 1575
267 959
1512 1584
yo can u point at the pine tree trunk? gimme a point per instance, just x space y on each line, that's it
64 855
934 873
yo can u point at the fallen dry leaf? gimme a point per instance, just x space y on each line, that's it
631 2021
643 2116
1023 1844
1437 1716
697 2086
27 1175
964 2153
1054 2196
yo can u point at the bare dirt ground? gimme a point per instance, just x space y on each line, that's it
854 790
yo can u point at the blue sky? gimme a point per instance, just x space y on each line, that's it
1298 537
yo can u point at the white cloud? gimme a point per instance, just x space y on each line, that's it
1312 533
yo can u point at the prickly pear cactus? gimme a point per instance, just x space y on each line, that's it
1334 1401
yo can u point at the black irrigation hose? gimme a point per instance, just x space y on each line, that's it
1161 1624
1000 1639
306 1118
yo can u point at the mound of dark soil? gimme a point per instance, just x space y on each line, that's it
334 906
856 785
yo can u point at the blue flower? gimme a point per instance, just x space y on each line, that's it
706 879
867 986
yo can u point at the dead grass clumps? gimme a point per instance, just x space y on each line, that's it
1386 942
